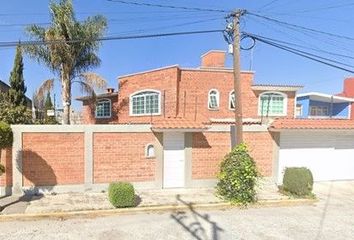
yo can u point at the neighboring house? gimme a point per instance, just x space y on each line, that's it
320 105
4 88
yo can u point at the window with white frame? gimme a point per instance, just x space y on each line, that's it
103 108
150 151
145 103
213 99
272 104
298 110
319 111
232 100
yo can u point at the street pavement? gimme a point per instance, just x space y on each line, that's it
331 218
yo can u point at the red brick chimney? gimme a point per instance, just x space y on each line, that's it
213 59
348 88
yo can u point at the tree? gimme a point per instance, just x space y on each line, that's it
12 114
48 105
70 50
17 91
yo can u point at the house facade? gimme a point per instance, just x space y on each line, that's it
319 105
191 114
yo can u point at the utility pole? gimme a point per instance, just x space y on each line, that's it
237 74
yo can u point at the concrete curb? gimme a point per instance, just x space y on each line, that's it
150 209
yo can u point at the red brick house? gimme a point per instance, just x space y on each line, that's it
191 111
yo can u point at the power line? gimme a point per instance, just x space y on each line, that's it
300 27
326 8
32 43
267 5
310 56
301 46
168 6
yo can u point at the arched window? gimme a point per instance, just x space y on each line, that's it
213 99
272 104
232 100
146 102
103 108
150 151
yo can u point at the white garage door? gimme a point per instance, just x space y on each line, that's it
329 155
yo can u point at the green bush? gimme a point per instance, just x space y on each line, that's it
6 136
238 177
121 194
2 169
298 181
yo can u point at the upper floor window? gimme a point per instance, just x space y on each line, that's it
213 99
298 110
232 100
103 108
147 102
319 111
272 104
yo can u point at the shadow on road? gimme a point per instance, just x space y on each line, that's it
194 222
324 213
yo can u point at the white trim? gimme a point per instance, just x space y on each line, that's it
144 114
285 104
231 109
147 150
211 51
110 108
217 99
81 128
275 88
326 96
148 71
178 129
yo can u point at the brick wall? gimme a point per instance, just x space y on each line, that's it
6 160
260 145
53 158
163 80
88 112
121 157
209 148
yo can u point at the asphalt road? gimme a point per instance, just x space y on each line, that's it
331 218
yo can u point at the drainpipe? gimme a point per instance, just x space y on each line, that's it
331 108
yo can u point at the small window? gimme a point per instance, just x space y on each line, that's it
213 99
145 103
150 151
272 104
319 111
232 100
298 110
103 108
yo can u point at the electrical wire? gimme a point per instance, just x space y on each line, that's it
301 46
267 5
33 43
300 27
168 6
309 56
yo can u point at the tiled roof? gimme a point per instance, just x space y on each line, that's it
179 123
288 123
245 121
102 95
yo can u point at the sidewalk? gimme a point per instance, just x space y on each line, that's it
98 201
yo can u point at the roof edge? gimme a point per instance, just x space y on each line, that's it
148 71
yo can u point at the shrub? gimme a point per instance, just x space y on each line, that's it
2 169
238 177
298 181
121 194
5 135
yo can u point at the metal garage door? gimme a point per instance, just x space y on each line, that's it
328 154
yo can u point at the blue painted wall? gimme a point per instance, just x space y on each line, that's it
340 110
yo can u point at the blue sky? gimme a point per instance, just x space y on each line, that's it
128 56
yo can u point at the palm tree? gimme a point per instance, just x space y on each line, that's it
70 50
